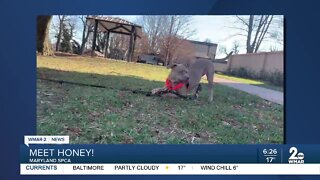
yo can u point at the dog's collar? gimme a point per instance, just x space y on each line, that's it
172 87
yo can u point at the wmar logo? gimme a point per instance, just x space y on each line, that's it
296 156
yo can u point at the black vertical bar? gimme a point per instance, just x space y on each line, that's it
134 44
94 37
130 45
106 45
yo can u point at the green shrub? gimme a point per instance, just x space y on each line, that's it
275 78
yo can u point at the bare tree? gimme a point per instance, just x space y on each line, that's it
276 29
61 24
223 49
142 44
235 47
119 45
165 34
87 29
179 30
65 45
255 28
76 23
153 27
101 41
65 26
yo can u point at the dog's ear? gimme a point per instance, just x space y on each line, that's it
171 66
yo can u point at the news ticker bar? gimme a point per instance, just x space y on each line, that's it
169 169
111 154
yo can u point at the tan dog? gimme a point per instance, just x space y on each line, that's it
176 81
192 75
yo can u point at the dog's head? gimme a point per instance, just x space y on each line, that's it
179 73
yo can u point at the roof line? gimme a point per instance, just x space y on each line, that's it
101 18
204 43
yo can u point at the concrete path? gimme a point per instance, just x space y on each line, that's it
267 94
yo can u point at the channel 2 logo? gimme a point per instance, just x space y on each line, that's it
296 156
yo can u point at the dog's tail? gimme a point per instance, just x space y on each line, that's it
223 60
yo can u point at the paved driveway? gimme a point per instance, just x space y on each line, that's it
267 94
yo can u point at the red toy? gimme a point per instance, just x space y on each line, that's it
170 85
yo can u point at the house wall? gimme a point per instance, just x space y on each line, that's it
201 50
220 67
256 62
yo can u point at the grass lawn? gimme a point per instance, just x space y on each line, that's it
97 115
251 81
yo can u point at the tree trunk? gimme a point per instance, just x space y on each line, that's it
58 38
84 41
250 28
43 43
168 43
61 23
85 34
260 25
264 31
